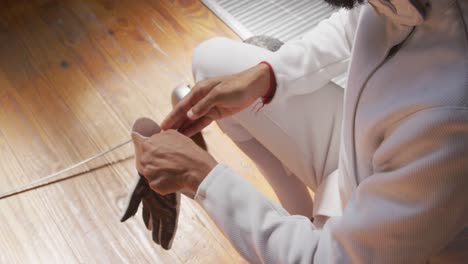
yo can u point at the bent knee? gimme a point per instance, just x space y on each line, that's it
208 45
201 62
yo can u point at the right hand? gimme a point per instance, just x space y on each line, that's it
216 98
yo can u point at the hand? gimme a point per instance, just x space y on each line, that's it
216 98
172 162
160 212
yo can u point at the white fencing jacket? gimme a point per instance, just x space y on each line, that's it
404 149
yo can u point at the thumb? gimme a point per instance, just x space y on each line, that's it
203 106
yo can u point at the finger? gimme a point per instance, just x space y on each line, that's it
197 126
156 229
160 225
146 215
179 113
177 116
169 223
135 200
132 208
204 105
168 228
150 222
186 124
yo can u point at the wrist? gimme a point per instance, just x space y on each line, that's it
270 92
260 80
194 180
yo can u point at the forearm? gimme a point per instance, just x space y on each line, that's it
261 230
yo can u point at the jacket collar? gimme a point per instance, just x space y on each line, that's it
409 12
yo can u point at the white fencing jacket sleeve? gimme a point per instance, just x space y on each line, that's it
307 64
426 161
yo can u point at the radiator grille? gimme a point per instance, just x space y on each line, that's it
283 19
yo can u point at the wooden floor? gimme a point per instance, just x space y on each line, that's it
74 75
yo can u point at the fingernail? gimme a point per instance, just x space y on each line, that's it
190 114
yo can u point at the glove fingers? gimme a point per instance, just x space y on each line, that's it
156 231
168 214
160 213
156 211
150 223
146 215
168 227
135 200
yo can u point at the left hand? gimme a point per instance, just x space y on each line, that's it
213 99
172 162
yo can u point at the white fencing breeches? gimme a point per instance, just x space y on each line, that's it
302 133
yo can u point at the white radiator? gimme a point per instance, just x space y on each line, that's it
282 19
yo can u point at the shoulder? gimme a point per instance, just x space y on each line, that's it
428 135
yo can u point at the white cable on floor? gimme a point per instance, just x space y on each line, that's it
52 177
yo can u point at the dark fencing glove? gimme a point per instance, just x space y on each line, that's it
160 212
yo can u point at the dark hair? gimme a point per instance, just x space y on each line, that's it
348 4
